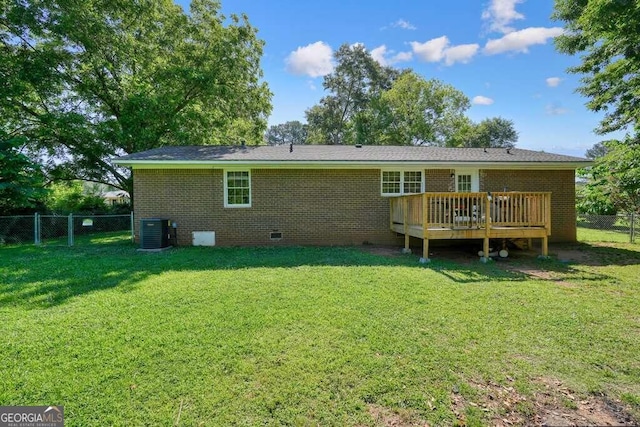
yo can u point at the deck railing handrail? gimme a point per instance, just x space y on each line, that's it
473 210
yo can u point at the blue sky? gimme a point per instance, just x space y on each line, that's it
498 52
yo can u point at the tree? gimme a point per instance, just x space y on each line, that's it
356 80
21 180
420 111
495 132
83 81
606 34
598 150
291 132
614 179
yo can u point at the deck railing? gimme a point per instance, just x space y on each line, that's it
473 210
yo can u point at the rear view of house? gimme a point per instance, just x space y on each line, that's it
345 195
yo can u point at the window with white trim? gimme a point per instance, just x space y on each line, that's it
464 184
467 181
395 183
237 189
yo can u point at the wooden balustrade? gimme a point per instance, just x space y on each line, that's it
472 215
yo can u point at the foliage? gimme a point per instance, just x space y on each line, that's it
357 80
605 33
308 336
291 132
421 112
70 197
84 81
496 132
372 104
614 179
21 180
598 150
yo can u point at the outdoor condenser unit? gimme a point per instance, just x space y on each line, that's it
154 233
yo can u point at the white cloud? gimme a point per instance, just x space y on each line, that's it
436 50
432 50
461 53
553 81
378 54
405 25
500 14
520 41
313 60
482 100
402 57
555 109
311 84
386 57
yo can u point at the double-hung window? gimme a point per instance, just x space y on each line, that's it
237 189
395 183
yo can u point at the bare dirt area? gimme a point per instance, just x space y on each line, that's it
553 405
388 418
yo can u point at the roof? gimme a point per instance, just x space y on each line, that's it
328 155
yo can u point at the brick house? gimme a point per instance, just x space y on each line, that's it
340 195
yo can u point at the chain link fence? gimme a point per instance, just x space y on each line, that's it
65 230
608 228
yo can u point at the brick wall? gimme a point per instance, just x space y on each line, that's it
315 207
561 184
439 180
311 207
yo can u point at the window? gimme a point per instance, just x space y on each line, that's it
464 184
467 181
237 189
402 182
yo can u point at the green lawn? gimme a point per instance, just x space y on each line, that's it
309 336
594 235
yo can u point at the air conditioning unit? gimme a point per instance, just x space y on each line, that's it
154 233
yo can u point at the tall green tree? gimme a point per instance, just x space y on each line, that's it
83 81
420 111
356 80
291 132
605 33
495 132
21 180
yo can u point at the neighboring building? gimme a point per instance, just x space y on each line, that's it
118 197
332 195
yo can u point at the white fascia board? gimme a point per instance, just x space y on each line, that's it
217 164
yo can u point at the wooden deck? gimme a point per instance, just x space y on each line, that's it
444 216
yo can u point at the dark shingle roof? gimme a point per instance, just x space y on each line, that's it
342 153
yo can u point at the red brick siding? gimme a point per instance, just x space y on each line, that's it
439 180
561 184
309 207
315 207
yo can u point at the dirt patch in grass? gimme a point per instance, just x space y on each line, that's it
552 405
389 418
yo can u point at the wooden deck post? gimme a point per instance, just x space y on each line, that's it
405 220
425 228
487 228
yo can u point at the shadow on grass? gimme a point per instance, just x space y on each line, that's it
41 277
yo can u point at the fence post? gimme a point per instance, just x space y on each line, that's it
632 228
133 234
70 229
36 229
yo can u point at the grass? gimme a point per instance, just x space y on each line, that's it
304 336
595 235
